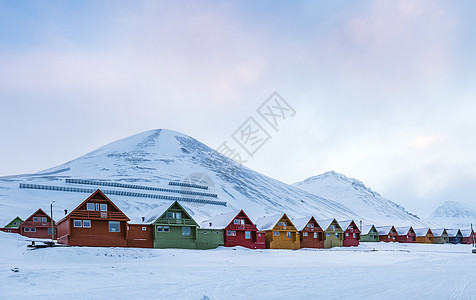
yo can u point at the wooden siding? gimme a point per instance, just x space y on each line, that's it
140 236
41 226
351 235
333 236
283 237
237 236
312 236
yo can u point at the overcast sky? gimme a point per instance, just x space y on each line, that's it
384 91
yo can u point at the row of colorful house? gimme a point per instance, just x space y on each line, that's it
97 221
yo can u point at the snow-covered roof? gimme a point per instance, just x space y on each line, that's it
325 223
346 223
268 222
403 230
155 213
384 230
219 221
437 232
421 231
301 223
366 229
452 232
466 232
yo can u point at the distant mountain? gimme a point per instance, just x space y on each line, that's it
454 214
353 194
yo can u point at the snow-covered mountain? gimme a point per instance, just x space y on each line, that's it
353 194
452 214
152 159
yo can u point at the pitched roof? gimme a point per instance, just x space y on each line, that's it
268 222
384 230
158 211
453 232
422 231
346 223
326 223
219 221
403 230
437 232
466 232
301 223
366 229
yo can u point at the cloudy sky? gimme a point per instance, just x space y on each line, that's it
384 91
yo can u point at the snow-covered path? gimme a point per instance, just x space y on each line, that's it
394 271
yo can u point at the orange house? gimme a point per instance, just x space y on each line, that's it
424 235
280 232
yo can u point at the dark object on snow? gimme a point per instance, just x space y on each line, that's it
15 269
45 244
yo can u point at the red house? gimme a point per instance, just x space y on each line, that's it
140 235
406 234
467 236
97 221
387 234
351 233
38 225
312 235
239 230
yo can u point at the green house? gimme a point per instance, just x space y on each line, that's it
173 227
333 233
210 238
15 223
369 234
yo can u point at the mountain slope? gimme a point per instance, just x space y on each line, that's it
355 195
452 214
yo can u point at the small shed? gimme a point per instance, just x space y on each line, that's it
369 234
38 225
424 235
406 234
333 233
140 235
351 233
387 234
467 236
440 236
454 236
312 235
13 226
280 232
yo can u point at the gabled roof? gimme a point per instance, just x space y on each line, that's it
366 229
219 221
346 223
159 211
33 214
453 232
326 223
268 222
466 232
301 223
10 224
384 230
422 231
403 230
437 232
98 191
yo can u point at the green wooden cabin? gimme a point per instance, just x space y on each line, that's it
210 238
173 227
333 233
369 234
15 223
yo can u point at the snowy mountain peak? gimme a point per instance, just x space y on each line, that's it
453 209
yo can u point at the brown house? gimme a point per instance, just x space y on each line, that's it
387 234
97 221
140 235
312 235
38 225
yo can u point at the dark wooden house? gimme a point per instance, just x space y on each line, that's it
351 233
312 235
387 234
140 235
440 236
97 221
38 225
454 236
406 234
13 226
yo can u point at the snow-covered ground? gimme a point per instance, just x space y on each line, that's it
393 271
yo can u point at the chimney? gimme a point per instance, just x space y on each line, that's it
143 219
210 224
65 212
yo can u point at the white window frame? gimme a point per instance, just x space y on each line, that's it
36 219
305 233
44 219
248 235
178 215
26 229
185 233
97 206
86 221
289 235
32 229
236 221
114 223
144 228
160 228
77 226
103 205
166 229
90 206
169 213
315 235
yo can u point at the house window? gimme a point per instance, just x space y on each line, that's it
114 226
15 223
333 227
231 233
310 225
354 235
103 207
36 219
288 235
305 233
204 232
346 234
337 235
276 233
33 229
43 219
144 228
27 229
282 223
169 215
315 235
160 228
77 223
178 215
186 231
217 232
49 231
87 223
236 221
247 234
328 234
97 206
90 206
242 221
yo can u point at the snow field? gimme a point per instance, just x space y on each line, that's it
393 271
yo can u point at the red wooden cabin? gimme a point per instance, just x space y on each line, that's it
312 235
11 230
38 225
97 221
239 230
387 234
351 233
467 236
140 235
406 234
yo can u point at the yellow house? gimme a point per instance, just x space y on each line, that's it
424 235
280 232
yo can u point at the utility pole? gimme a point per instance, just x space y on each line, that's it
52 228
